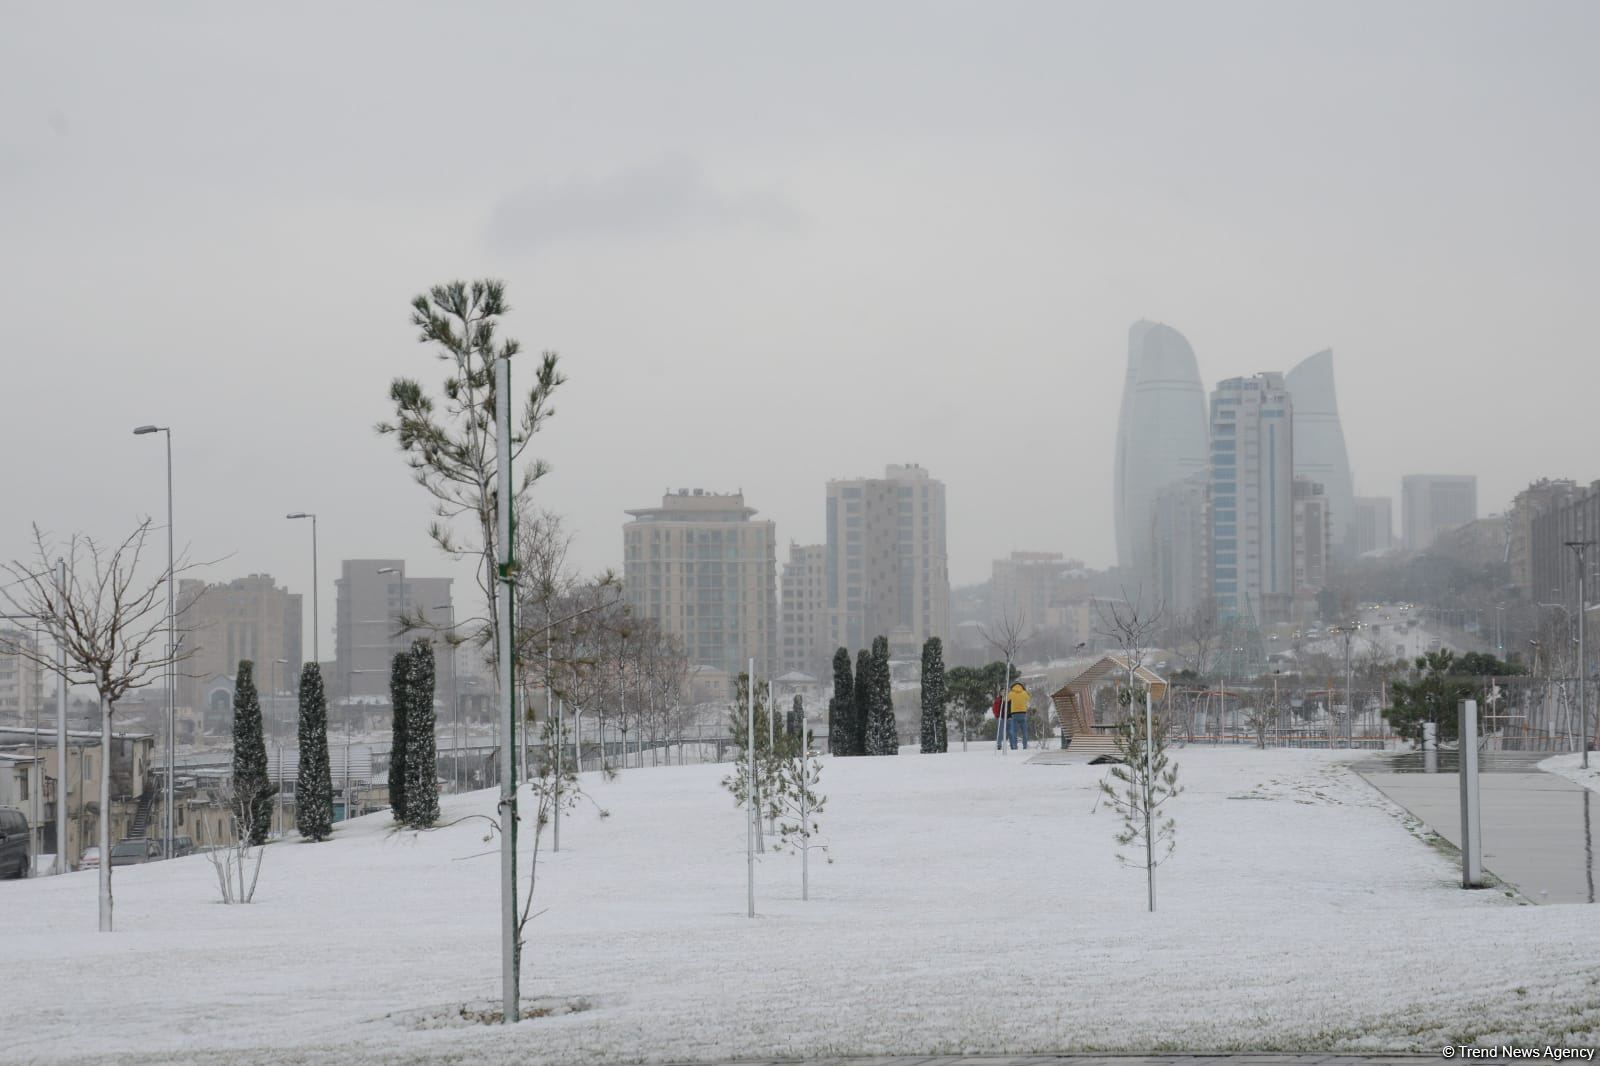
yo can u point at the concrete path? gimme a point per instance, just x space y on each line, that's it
1538 829
1111 1060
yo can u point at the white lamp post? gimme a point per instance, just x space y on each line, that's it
172 676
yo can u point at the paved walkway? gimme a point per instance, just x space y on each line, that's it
1112 1060
1538 829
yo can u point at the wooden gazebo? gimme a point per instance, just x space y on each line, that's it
1074 703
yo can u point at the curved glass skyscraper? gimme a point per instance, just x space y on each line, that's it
1161 433
1319 449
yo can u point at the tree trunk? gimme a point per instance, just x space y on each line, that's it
105 814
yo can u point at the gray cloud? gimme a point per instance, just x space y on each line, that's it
665 197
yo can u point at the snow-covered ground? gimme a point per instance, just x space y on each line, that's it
975 905
1570 766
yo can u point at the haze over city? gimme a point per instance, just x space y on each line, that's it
778 246
1020 532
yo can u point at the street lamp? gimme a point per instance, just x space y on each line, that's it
316 626
172 678
1579 548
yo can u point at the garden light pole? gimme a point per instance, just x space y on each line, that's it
316 628
1580 548
172 673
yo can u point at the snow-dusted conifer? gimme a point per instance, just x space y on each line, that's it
933 696
252 785
841 707
863 706
313 790
422 774
400 700
883 737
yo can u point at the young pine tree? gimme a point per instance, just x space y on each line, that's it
862 712
252 785
400 700
313 790
769 758
883 737
422 777
933 697
1141 786
841 708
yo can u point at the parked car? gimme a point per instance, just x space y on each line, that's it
90 859
16 859
134 852
182 845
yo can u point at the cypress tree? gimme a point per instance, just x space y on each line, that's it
422 772
795 723
841 728
862 712
883 737
933 696
400 701
252 785
313 790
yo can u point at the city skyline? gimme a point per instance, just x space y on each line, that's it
687 241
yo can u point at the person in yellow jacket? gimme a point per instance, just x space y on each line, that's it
1017 701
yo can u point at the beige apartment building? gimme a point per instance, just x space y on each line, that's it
246 618
887 569
804 625
707 574
21 679
373 596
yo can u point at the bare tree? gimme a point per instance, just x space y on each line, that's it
231 857
1198 635
1131 628
111 622
1006 637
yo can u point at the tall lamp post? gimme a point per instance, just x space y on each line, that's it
172 674
316 627
1580 548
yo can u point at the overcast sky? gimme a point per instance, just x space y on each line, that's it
774 245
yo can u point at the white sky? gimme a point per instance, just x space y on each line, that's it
776 245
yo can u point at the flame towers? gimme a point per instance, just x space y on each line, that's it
1319 448
1161 434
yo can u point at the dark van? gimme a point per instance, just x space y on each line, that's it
15 860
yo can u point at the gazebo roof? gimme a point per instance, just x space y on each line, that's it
1108 668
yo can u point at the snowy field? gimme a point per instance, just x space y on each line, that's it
975 905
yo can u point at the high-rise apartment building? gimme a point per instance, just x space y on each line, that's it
1571 518
1319 447
1252 497
887 568
21 678
1161 432
227 621
1313 539
1433 503
1374 524
803 628
374 596
707 574
1537 499
1180 548
1025 585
